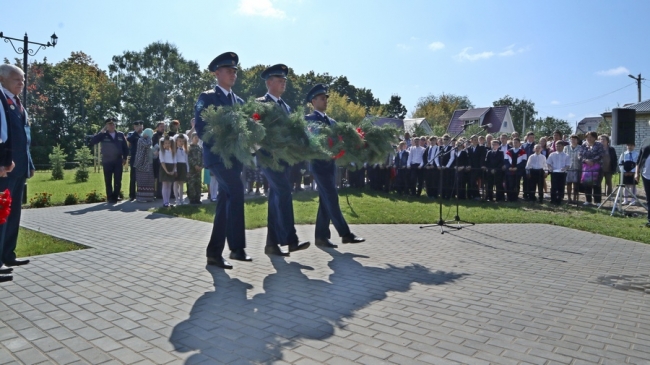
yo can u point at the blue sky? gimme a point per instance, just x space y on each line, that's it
566 56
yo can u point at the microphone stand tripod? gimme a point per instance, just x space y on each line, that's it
441 222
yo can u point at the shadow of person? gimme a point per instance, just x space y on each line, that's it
227 326
125 207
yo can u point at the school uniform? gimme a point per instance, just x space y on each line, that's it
415 163
445 161
494 163
431 172
462 162
556 163
476 156
401 160
515 158
535 169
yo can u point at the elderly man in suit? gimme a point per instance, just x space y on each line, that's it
281 238
16 136
229 216
324 172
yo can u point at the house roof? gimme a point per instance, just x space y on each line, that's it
410 124
394 121
588 124
642 107
473 114
492 115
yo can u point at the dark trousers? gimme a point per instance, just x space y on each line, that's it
447 182
132 182
324 173
536 180
475 178
417 180
529 189
156 174
432 179
357 178
15 182
229 214
402 180
558 182
513 180
646 187
494 180
461 184
281 228
112 179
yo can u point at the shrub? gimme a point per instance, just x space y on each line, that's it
95 197
71 199
57 160
84 156
41 200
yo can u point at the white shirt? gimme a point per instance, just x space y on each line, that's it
433 153
536 162
166 156
415 155
558 161
181 158
646 169
441 151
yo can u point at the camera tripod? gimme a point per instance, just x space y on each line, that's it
618 200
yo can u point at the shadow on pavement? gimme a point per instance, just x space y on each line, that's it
226 326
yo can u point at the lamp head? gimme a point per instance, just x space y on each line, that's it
54 39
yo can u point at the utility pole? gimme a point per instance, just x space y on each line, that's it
523 128
638 83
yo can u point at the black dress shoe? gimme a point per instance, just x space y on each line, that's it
219 262
5 270
324 242
274 250
298 246
351 238
17 262
4 278
240 255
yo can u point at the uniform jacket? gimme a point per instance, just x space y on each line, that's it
267 99
317 117
113 149
476 156
16 148
516 158
214 97
494 160
133 138
401 158
5 146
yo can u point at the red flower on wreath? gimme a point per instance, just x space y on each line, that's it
256 117
339 155
361 133
5 206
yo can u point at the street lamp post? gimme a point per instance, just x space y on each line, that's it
26 51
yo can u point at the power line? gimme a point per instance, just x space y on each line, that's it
591 99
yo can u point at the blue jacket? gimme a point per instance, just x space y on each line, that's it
267 99
20 138
133 138
400 162
214 97
113 149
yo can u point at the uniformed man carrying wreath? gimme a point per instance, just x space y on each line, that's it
229 215
281 232
324 172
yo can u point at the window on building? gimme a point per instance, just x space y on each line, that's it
505 124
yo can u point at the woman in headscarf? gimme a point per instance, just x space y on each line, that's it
144 168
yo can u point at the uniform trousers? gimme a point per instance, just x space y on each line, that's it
513 181
432 179
448 177
417 180
536 180
281 228
15 182
475 177
112 178
558 181
324 173
646 187
229 215
132 189
494 180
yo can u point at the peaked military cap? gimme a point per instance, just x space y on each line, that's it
228 59
317 90
138 122
278 70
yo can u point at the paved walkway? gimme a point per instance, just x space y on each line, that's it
502 294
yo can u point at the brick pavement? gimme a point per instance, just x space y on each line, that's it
502 294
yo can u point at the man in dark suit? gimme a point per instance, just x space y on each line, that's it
114 154
229 215
476 161
494 168
281 230
16 136
401 159
133 138
324 172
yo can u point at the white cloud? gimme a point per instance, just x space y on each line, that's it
614 71
262 8
435 46
464 55
403 46
555 102
511 51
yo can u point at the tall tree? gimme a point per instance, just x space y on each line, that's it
394 108
366 99
158 83
546 126
343 110
438 109
518 109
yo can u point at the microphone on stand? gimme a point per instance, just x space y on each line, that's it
486 126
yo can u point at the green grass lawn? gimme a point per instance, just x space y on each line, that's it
42 182
379 208
32 243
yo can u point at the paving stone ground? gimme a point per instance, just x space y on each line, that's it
501 294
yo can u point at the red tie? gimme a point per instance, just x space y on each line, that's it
19 104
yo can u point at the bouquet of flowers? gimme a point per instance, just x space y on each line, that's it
5 206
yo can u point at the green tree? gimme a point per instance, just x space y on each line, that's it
343 110
438 109
158 83
394 108
57 160
546 126
85 157
518 109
